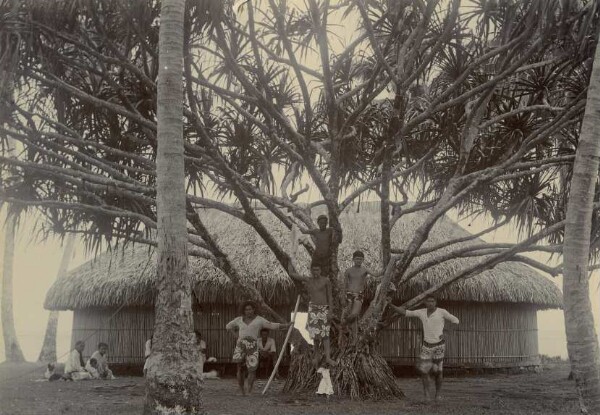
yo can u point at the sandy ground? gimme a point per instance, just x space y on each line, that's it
548 392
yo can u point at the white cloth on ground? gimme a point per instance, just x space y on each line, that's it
433 325
325 386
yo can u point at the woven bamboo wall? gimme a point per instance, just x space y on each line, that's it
489 335
127 331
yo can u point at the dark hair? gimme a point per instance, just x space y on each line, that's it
93 360
322 217
102 344
197 333
248 303
358 254
428 296
263 330
315 265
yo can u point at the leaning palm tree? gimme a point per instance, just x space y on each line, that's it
48 352
8 59
12 349
582 342
174 376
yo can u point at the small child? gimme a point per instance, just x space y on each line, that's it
320 310
92 368
355 279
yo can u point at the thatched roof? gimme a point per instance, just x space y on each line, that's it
127 276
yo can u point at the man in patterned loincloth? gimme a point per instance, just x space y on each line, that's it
246 329
431 358
246 352
320 310
355 281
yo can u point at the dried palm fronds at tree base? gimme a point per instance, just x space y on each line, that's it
358 375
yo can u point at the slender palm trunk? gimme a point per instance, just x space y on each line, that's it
12 349
174 378
582 342
48 352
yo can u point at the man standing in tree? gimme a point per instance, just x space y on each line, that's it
320 309
431 358
324 239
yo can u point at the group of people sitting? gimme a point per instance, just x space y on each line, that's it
76 369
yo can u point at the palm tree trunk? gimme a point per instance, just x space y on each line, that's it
174 378
48 352
12 349
582 342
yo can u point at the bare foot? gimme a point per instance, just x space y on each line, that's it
331 362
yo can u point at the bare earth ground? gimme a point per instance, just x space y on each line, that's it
548 392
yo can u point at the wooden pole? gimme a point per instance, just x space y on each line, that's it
287 337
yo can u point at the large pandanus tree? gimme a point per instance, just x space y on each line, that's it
424 102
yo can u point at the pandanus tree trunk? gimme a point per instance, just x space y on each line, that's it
48 352
361 371
174 378
582 342
12 349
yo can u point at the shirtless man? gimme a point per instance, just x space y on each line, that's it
320 310
355 279
324 239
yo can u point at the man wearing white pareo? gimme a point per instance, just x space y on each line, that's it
74 366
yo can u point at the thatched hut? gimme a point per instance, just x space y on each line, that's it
112 295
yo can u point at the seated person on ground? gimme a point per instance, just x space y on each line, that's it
101 357
266 351
92 367
74 367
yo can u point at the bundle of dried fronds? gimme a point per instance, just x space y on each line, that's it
302 376
364 375
360 374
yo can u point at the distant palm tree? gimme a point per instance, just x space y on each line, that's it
8 60
48 352
12 349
